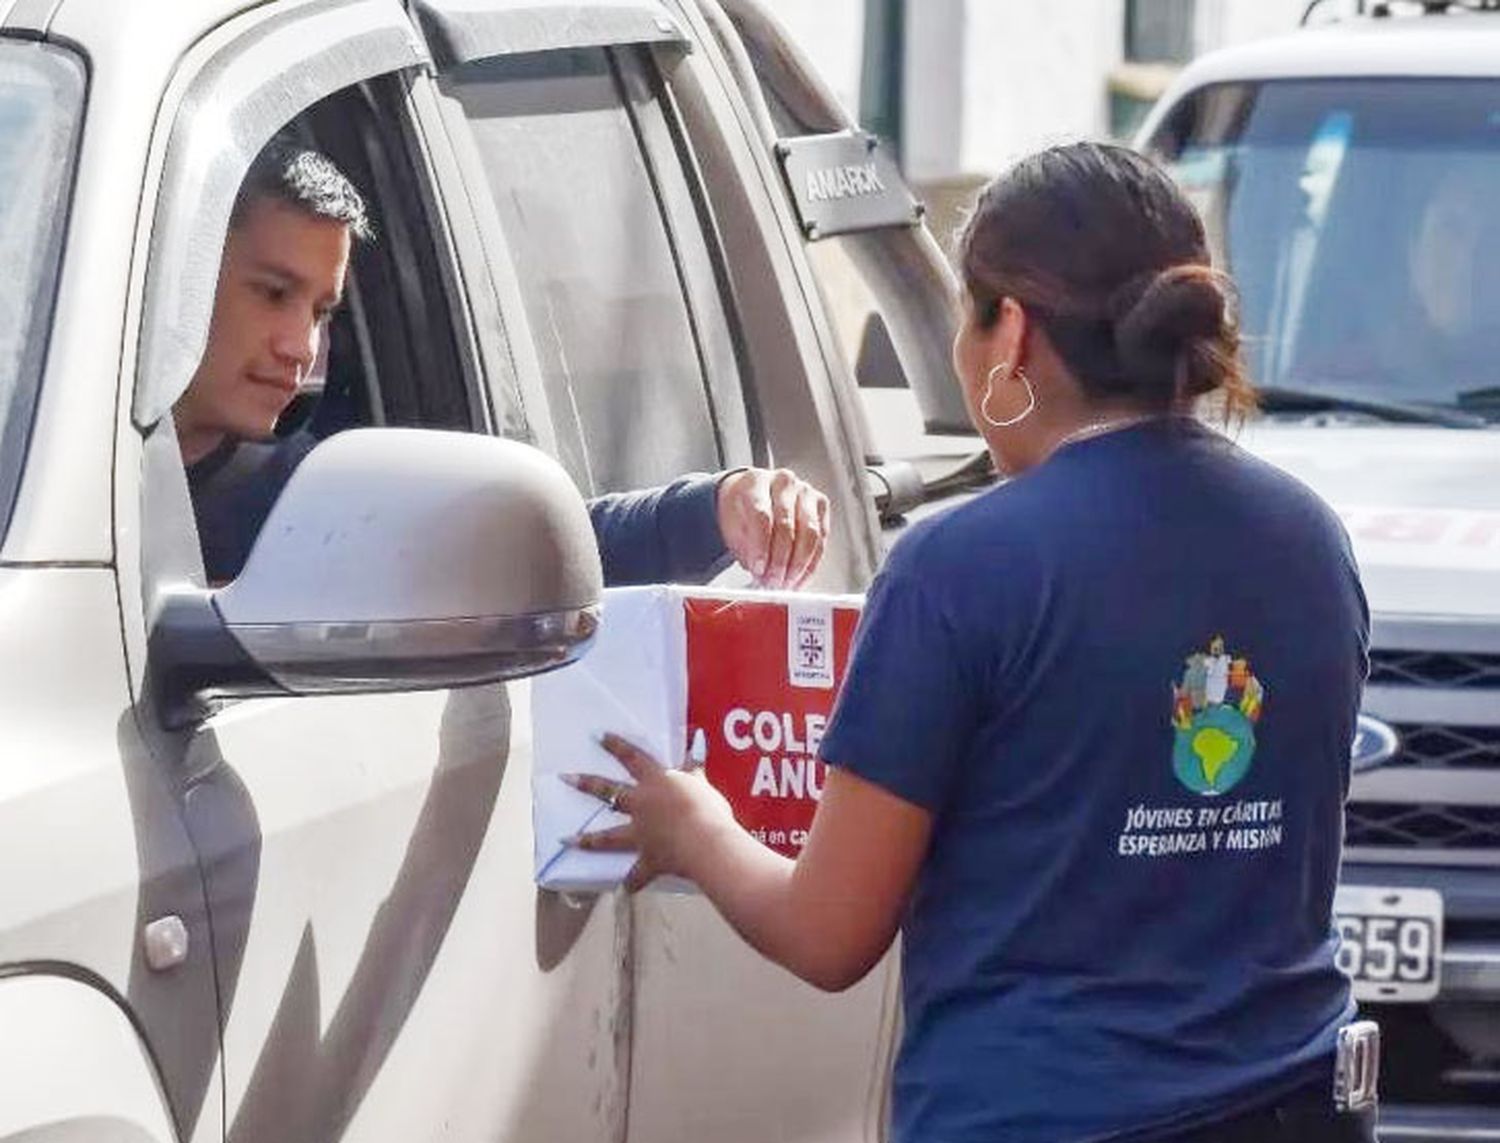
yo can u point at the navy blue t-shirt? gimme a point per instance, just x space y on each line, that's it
1125 685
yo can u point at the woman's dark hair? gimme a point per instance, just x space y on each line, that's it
1106 255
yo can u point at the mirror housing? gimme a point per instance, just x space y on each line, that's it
394 559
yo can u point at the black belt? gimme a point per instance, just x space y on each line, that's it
1303 1115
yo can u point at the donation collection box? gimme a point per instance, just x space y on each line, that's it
739 682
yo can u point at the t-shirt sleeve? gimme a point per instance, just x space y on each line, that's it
907 713
1360 605
661 535
233 492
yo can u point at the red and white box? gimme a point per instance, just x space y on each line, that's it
741 681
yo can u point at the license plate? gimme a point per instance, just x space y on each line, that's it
1392 942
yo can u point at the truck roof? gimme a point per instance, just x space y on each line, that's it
1418 46
106 24
121 28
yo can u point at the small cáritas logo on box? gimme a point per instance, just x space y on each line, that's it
809 645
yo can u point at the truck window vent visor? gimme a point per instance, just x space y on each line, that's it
1434 669
1393 825
462 31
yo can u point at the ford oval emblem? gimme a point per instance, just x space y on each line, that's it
1375 744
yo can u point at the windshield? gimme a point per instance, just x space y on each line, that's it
41 95
1361 219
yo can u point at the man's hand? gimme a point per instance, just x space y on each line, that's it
774 523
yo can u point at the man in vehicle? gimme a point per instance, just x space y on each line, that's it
285 261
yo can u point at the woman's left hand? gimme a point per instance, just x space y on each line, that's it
674 815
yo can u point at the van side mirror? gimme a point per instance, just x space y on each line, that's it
395 559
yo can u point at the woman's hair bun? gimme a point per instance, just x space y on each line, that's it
1112 262
1167 322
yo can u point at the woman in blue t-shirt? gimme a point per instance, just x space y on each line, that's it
1091 753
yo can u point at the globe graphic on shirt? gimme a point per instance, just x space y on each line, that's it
1215 706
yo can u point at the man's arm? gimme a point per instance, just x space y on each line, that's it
662 535
233 490
772 522
685 532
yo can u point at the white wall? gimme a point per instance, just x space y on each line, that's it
990 80
933 111
1225 22
1034 74
831 32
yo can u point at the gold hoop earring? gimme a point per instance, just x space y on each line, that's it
989 392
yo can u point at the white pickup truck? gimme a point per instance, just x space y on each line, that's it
266 849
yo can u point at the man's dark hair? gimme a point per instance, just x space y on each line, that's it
298 176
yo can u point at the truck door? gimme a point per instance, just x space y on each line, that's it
657 312
386 970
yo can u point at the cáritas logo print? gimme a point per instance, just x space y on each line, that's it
1215 707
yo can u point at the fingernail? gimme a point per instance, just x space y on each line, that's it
575 841
574 780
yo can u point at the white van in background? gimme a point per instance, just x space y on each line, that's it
1350 179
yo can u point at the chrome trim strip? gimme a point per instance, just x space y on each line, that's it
1471 969
1391 855
1427 785
401 655
1451 706
1440 1124
1464 634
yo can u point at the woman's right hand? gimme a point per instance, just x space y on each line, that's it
674 815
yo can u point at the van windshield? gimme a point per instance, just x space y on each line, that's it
1361 219
41 98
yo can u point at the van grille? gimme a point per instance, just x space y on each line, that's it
1434 669
1449 747
1400 826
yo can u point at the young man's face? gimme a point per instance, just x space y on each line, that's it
282 275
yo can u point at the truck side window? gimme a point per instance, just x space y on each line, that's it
390 354
41 105
617 260
393 358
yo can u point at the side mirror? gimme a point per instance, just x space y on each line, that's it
395 559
